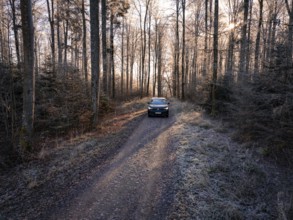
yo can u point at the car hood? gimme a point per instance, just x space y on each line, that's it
158 106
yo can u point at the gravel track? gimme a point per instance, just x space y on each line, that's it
133 184
182 167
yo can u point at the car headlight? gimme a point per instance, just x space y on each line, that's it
166 108
149 108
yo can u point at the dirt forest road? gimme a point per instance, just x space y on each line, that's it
136 183
186 166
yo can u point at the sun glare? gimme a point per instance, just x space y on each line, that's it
231 26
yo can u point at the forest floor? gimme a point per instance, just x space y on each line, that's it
186 166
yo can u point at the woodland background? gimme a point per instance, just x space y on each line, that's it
63 63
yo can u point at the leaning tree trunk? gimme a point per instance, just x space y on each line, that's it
28 77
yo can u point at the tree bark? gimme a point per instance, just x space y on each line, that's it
95 58
215 62
59 43
28 77
15 31
257 41
104 46
243 46
177 53
122 59
112 55
183 52
52 28
160 36
84 46
149 56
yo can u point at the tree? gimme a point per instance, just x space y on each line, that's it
183 51
51 15
290 35
257 41
15 30
215 62
95 58
28 76
159 57
243 45
104 45
177 53
84 44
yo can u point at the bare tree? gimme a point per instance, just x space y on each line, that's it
243 46
290 35
257 41
15 30
104 45
95 58
51 15
183 2
28 77
84 44
176 72
215 62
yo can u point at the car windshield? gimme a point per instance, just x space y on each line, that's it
158 101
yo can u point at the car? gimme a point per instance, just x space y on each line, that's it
158 106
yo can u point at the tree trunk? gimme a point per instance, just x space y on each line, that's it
215 62
127 57
122 59
52 28
84 47
112 55
104 46
243 46
66 27
289 38
59 43
156 57
28 77
95 58
149 56
177 53
15 30
160 61
248 40
183 52
204 71
257 41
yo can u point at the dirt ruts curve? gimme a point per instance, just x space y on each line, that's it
136 184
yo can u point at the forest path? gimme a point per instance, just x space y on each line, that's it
136 183
186 166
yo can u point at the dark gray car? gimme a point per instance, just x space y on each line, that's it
158 106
